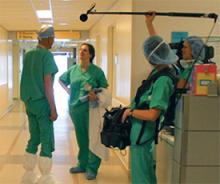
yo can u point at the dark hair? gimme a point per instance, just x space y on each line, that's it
91 51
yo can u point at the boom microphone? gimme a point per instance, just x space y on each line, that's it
84 17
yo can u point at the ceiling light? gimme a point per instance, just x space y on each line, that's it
46 21
44 14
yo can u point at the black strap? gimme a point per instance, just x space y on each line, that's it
141 133
157 130
143 106
151 79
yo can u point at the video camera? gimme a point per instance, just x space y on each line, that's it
209 51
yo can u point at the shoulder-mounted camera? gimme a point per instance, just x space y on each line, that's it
209 51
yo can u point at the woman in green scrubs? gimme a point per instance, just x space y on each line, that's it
78 82
156 97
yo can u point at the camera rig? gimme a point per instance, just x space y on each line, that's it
209 51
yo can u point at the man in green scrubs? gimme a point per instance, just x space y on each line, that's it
79 81
149 107
36 86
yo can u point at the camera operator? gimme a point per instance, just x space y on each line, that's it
193 49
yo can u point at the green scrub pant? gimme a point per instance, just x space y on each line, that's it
142 164
40 127
86 159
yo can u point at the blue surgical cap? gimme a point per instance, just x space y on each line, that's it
197 47
46 31
157 51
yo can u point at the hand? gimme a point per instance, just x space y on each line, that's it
53 115
92 96
150 18
125 115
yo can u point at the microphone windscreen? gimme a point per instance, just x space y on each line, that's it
83 17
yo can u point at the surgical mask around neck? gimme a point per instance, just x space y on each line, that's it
186 63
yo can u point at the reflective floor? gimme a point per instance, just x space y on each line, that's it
13 138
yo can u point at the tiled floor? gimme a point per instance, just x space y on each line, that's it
13 138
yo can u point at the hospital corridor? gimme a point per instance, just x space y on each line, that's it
109 92
14 133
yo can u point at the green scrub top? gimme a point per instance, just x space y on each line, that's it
78 80
37 63
157 96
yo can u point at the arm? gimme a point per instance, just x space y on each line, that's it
163 88
148 115
149 23
48 86
184 75
64 87
182 83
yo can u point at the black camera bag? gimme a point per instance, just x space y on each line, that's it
115 133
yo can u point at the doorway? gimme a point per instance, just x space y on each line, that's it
60 95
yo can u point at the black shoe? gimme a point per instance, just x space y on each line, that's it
75 170
90 176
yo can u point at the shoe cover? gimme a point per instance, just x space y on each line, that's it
45 166
29 163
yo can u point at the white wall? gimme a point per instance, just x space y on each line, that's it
122 25
6 68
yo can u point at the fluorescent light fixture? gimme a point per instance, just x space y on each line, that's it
46 21
62 40
44 14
